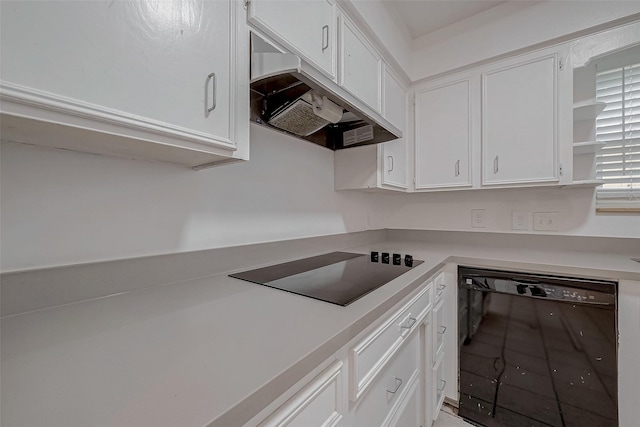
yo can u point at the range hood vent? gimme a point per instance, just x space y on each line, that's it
290 96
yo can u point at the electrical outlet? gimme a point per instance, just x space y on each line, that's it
520 220
478 218
545 221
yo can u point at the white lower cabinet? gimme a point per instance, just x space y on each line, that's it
438 385
376 406
408 413
387 376
317 404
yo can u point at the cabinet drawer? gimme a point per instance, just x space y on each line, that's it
381 401
317 404
370 356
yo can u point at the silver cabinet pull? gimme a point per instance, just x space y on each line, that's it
458 168
412 321
325 37
441 287
495 165
444 384
390 158
211 79
398 384
443 329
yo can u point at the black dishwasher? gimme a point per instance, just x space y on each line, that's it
536 350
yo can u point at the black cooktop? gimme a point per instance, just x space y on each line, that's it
337 277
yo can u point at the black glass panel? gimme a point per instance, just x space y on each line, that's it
338 277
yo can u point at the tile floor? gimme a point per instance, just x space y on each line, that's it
445 419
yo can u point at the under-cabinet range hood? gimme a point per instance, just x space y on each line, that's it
289 95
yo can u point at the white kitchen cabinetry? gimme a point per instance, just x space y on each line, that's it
522 118
444 132
166 81
382 165
360 65
318 404
306 28
394 153
386 376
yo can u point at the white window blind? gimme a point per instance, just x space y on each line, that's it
618 126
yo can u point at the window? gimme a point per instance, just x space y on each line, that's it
618 126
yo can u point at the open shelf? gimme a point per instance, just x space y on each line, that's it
585 183
587 110
587 147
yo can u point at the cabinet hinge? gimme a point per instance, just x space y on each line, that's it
561 63
560 169
245 4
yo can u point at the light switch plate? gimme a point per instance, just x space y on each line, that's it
520 220
478 218
545 221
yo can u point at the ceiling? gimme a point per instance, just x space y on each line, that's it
425 16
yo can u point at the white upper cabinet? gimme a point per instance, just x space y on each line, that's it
381 165
360 65
306 28
394 153
164 80
520 120
443 134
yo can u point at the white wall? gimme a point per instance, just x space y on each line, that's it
509 27
59 207
452 211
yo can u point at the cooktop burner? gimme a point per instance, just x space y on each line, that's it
337 277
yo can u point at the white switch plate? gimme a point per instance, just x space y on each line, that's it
520 220
545 221
478 218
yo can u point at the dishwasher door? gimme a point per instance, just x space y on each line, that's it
536 350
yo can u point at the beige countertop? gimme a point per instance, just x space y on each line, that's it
210 350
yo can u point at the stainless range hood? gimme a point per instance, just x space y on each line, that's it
290 96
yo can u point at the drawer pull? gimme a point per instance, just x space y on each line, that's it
398 384
412 321
441 287
442 330
444 384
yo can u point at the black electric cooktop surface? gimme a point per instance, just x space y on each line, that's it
337 277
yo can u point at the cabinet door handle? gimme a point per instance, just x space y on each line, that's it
325 37
444 384
398 384
441 287
412 321
211 79
458 168
390 158
443 329
495 165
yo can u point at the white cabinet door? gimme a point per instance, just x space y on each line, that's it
152 68
409 411
307 28
443 135
394 153
519 121
360 66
